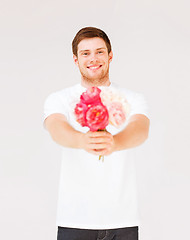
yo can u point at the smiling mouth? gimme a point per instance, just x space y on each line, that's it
94 67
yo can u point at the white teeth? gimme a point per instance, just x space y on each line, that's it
94 67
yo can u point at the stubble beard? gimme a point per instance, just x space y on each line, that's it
93 81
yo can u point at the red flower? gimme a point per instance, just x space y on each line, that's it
97 117
90 112
80 113
91 96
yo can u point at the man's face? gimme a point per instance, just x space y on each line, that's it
93 60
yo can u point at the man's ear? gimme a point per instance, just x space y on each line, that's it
110 56
75 59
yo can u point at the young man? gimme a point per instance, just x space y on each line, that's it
96 200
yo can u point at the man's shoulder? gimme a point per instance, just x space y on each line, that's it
64 92
132 96
123 89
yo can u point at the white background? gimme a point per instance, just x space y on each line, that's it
151 48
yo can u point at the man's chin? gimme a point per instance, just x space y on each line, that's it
95 81
98 77
89 78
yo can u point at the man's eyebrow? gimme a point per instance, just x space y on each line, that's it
101 48
87 50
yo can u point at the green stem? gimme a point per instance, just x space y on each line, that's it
100 156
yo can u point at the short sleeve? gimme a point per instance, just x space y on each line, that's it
54 103
138 104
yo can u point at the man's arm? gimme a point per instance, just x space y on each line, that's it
64 134
101 142
135 133
61 131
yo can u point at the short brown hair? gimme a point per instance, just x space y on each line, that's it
89 32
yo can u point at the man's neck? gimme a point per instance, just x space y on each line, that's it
95 83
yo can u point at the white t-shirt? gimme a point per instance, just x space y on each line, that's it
95 194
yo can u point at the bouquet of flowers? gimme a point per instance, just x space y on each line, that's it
97 108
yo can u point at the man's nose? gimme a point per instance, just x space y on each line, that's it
93 57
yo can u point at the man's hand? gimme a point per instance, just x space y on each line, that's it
98 143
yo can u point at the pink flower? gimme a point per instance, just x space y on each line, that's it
97 117
116 114
117 106
91 96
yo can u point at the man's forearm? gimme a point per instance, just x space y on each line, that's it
62 132
134 134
